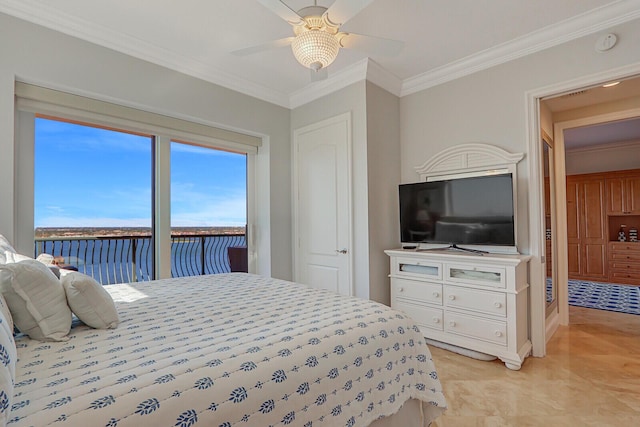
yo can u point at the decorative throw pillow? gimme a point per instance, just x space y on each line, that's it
36 300
4 247
11 257
90 302
46 259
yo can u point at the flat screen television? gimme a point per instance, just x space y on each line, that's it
477 210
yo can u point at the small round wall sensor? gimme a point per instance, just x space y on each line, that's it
606 42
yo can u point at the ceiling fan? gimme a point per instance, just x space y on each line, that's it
317 37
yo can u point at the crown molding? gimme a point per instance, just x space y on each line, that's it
50 17
634 143
365 69
588 23
338 80
378 75
570 29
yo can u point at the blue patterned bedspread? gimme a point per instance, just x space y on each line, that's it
228 350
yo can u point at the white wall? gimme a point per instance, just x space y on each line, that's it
37 55
383 158
612 157
490 106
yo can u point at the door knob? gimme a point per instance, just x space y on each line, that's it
341 251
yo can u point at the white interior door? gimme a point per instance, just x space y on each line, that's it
322 205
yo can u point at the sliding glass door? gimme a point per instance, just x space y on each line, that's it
208 209
100 208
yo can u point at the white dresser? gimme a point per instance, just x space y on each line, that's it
477 302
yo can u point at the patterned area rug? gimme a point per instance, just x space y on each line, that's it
605 296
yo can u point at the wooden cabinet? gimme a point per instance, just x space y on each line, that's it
597 206
624 262
478 303
623 195
586 228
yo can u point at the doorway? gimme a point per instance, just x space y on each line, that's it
322 205
596 130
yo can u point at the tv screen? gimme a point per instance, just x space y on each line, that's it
476 211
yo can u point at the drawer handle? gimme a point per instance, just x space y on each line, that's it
498 334
497 304
400 289
436 320
452 297
452 323
436 294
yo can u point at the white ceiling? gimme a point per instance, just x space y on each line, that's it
605 133
444 39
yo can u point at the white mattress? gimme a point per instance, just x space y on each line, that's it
224 350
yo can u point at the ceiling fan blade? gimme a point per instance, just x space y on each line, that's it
273 44
321 74
372 45
282 10
343 10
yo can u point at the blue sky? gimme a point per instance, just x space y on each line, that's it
90 177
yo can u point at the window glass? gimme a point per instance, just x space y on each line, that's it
208 210
92 207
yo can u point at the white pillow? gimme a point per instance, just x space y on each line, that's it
89 300
36 300
45 259
4 247
11 257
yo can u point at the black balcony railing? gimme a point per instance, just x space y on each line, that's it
123 259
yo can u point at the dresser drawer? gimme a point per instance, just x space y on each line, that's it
424 316
631 256
477 275
632 277
417 269
494 303
415 290
476 327
624 265
625 247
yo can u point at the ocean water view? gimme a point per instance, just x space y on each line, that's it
125 254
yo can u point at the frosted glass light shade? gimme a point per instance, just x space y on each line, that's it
315 49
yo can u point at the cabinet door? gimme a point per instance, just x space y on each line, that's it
594 241
623 196
592 212
586 229
573 229
615 196
633 195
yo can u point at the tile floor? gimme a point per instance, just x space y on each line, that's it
590 377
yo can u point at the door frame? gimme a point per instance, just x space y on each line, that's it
558 130
345 118
539 335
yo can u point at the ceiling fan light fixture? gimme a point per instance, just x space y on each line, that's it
315 48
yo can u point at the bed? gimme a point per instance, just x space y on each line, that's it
230 350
